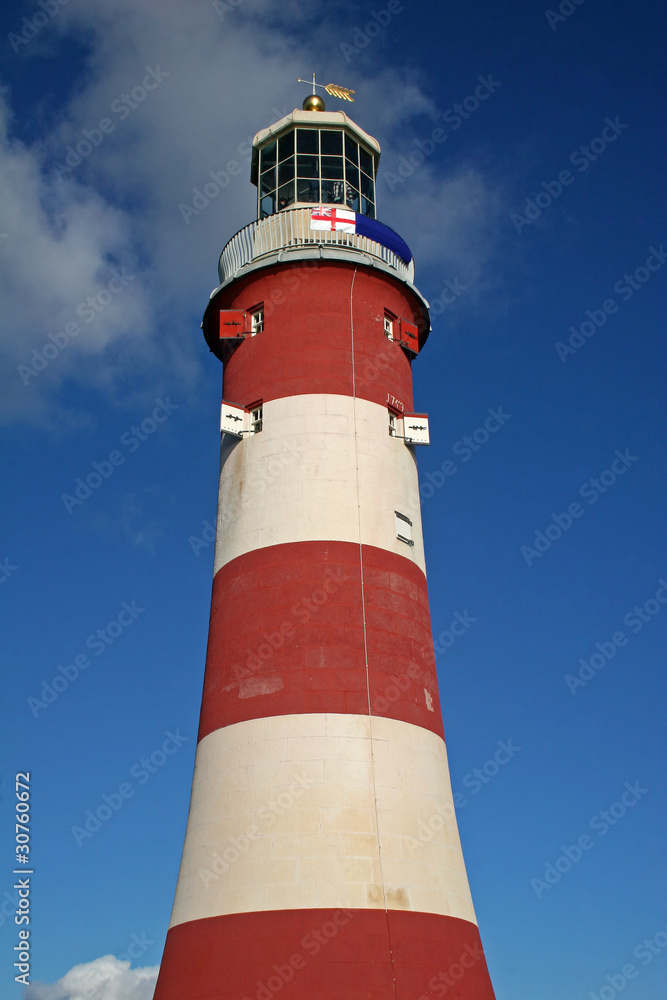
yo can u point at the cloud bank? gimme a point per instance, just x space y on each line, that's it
106 978
102 280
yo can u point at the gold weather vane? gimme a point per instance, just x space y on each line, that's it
331 88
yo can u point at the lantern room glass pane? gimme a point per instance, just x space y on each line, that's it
332 142
307 140
332 167
285 195
286 171
352 175
367 186
285 146
267 205
307 190
308 166
352 150
333 192
352 198
365 161
344 173
268 156
267 181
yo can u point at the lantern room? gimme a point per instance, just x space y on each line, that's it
315 157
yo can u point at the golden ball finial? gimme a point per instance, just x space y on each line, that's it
313 103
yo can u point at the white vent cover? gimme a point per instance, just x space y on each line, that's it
232 419
403 528
415 428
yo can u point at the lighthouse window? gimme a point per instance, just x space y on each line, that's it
268 205
392 424
307 140
256 420
352 176
389 326
307 166
269 156
286 171
326 164
267 181
332 167
307 190
286 195
332 142
285 146
366 186
257 320
365 161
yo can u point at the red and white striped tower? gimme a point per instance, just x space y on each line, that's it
322 859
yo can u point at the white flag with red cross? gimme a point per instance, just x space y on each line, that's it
329 218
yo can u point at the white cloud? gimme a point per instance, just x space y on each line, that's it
62 247
106 978
216 82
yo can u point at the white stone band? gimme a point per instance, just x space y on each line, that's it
296 479
285 813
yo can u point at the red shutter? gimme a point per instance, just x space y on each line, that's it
408 336
233 324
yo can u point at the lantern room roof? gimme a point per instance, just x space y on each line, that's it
315 119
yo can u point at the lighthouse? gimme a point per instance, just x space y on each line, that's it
322 859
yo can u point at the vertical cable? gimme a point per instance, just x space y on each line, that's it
363 615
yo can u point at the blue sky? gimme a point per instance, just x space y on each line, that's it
536 220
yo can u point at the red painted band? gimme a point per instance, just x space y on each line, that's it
286 637
306 344
324 954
